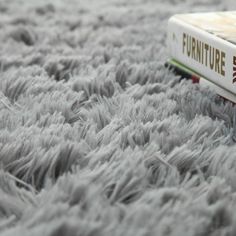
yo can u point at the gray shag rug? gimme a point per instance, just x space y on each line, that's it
97 137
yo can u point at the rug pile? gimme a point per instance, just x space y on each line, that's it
97 136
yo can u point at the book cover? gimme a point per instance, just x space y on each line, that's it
187 73
206 43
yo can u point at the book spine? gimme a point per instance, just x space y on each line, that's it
206 54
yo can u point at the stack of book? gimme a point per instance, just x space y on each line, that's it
202 47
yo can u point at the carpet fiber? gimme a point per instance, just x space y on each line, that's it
97 137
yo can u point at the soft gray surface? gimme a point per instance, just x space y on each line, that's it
97 138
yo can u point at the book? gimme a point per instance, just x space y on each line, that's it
182 71
206 43
186 73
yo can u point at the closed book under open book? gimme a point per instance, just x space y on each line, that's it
187 73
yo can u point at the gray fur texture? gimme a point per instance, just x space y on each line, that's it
97 137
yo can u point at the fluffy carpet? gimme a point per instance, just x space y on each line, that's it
97 137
